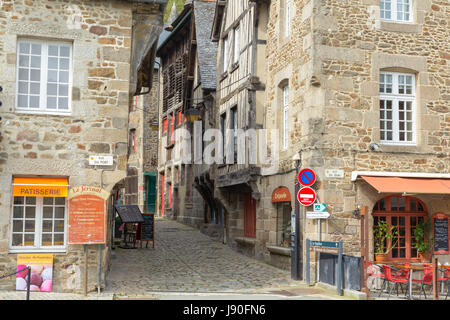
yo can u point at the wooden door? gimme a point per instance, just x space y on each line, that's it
249 216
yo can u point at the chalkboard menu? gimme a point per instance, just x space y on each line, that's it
129 213
440 234
146 230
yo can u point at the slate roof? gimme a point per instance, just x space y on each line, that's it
207 50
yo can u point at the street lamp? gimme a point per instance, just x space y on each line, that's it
295 234
192 114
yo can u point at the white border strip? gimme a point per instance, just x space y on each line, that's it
355 174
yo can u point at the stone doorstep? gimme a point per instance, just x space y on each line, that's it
346 292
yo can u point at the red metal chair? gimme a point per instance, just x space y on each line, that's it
427 279
372 272
391 276
447 276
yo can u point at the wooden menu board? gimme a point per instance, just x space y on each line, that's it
440 234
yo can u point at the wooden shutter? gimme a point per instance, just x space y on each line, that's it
151 194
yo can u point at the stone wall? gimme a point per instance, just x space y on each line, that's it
332 61
60 145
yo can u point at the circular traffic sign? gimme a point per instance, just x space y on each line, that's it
306 196
307 177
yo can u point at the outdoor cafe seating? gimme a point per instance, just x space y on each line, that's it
411 278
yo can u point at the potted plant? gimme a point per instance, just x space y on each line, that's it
384 240
421 240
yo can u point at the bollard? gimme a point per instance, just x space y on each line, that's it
28 283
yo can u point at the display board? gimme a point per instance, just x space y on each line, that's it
87 215
146 230
129 213
440 234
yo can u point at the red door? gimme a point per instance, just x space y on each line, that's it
249 216
162 195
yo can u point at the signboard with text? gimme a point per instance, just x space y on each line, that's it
440 234
87 215
101 160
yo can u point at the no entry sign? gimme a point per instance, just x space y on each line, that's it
306 196
307 177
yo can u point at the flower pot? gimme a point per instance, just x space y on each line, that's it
425 257
381 258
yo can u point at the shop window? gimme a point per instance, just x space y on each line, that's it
284 225
44 76
397 108
396 10
38 223
404 213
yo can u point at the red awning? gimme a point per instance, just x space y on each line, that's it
409 185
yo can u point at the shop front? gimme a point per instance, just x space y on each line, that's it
407 218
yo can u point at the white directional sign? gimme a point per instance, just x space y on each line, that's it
317 215
101 160
320 207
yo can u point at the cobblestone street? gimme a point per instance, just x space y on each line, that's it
185 260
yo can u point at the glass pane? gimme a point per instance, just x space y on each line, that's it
64 51
35 62
30 200
34 101
52 63
29 240
59 226
23 87
382 204
52 50
64 76
401 221
59 212
18 212
24 61
35 75
52 76
395 253
29 225
409 136
35 88
401 205
389 136
52 89
17 225
401 232
60 201
63 103
59 239
402 253
23 74
401 242
420 206
48 201
394 221
24 48
48 212
47 225
402 136
22 101
394 204
18 200
51 102
63 90
17 240
64 64
36 48
47 239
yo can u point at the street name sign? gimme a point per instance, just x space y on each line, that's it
101 160
334 173
317 215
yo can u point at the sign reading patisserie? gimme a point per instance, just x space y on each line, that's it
87 215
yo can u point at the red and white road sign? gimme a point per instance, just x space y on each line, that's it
306 196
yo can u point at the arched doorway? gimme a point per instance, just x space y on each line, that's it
404 213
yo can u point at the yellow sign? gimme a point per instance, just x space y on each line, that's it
40 187
35 258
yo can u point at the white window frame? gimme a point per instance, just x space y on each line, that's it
394 11
225 53
395 97
285 97
38 225
287 15
237 47
44 78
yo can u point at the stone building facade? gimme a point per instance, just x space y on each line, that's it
368 94
67 72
